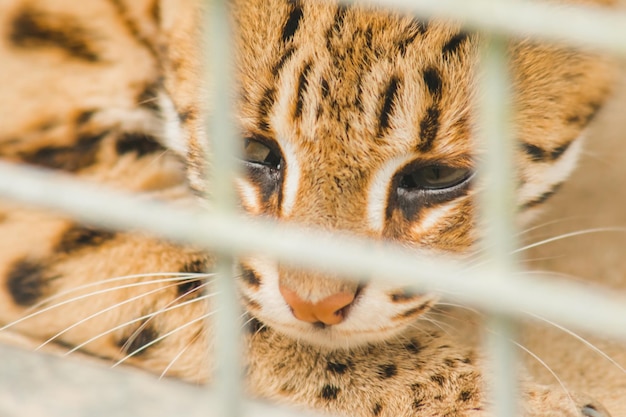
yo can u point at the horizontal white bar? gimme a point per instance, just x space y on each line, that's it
571 305
38 385
582 26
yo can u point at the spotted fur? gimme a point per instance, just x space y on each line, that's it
348 111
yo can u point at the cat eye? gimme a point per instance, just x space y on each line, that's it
433 177
260 153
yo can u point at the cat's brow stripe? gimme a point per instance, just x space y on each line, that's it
265 106
293 21
388 102
132 27
429 128
303 82
34 29
276 69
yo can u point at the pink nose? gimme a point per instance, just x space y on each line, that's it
330 310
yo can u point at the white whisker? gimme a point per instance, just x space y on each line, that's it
158 339
175 275
545 365
582 340
178 355
571 234
136 320
112 307
84 296
163 309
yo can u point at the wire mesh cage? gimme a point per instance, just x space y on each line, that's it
496 289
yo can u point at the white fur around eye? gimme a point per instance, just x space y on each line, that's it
173 134
249 195
379 189
543 177
292 178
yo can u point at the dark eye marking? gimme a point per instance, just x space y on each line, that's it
539 154
423 184
264 165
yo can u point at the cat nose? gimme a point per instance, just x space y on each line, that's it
327 311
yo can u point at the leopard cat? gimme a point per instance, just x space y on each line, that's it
352 119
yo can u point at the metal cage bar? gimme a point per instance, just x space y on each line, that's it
232 235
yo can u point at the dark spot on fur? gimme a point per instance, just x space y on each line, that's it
254 326
251 278
336 367
340 16
197 266
70 158
137 142
191 285
454 44
377 409
26 282
387 371
135 343
438 379
329 392
535 153
85 116
402 296
79 237
465 395
32 29
293 21
432 79
155 11
186 115
413 346
415 29
450 363
429 127
418 404
287 389
148 97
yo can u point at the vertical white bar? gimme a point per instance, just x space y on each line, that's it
497 209
220 125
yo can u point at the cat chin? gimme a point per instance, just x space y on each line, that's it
336 337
